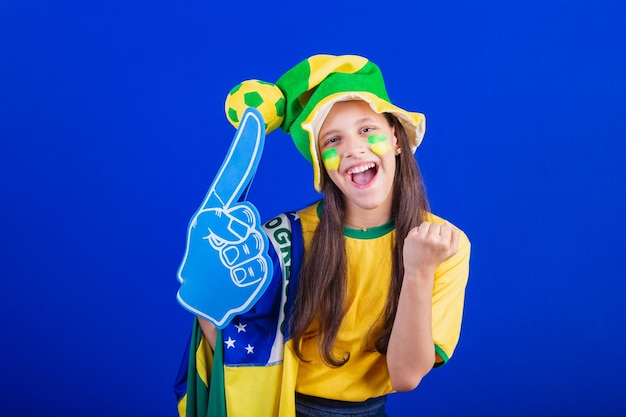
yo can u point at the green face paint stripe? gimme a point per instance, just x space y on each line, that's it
329 153
376 138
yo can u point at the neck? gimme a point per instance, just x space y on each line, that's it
364 219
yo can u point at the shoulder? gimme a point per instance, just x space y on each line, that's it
310 212
309 218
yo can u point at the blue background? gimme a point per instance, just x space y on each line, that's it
112 127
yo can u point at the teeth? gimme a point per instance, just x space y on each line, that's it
361 168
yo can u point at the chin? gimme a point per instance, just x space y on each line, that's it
370 200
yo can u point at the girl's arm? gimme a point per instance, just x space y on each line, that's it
208 330
411 351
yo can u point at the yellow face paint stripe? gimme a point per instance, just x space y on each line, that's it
331 159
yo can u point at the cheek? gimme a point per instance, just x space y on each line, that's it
331 160
379 144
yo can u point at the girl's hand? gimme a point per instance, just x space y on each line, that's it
426 246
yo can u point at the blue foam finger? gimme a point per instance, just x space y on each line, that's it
225 241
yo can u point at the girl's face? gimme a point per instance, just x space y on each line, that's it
358 149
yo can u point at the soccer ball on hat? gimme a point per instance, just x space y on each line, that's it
266 97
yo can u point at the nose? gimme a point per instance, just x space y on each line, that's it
355 146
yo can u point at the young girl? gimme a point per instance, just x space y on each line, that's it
374 299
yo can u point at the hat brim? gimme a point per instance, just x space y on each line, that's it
414 123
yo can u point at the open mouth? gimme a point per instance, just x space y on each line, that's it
363 174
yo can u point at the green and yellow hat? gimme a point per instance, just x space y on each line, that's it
310 89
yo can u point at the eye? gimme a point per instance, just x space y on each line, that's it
367 129
331 140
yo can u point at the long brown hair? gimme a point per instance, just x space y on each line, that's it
322 284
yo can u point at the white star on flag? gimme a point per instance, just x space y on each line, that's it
241 327
230 343
249 349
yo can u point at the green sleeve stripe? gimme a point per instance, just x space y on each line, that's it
443 356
